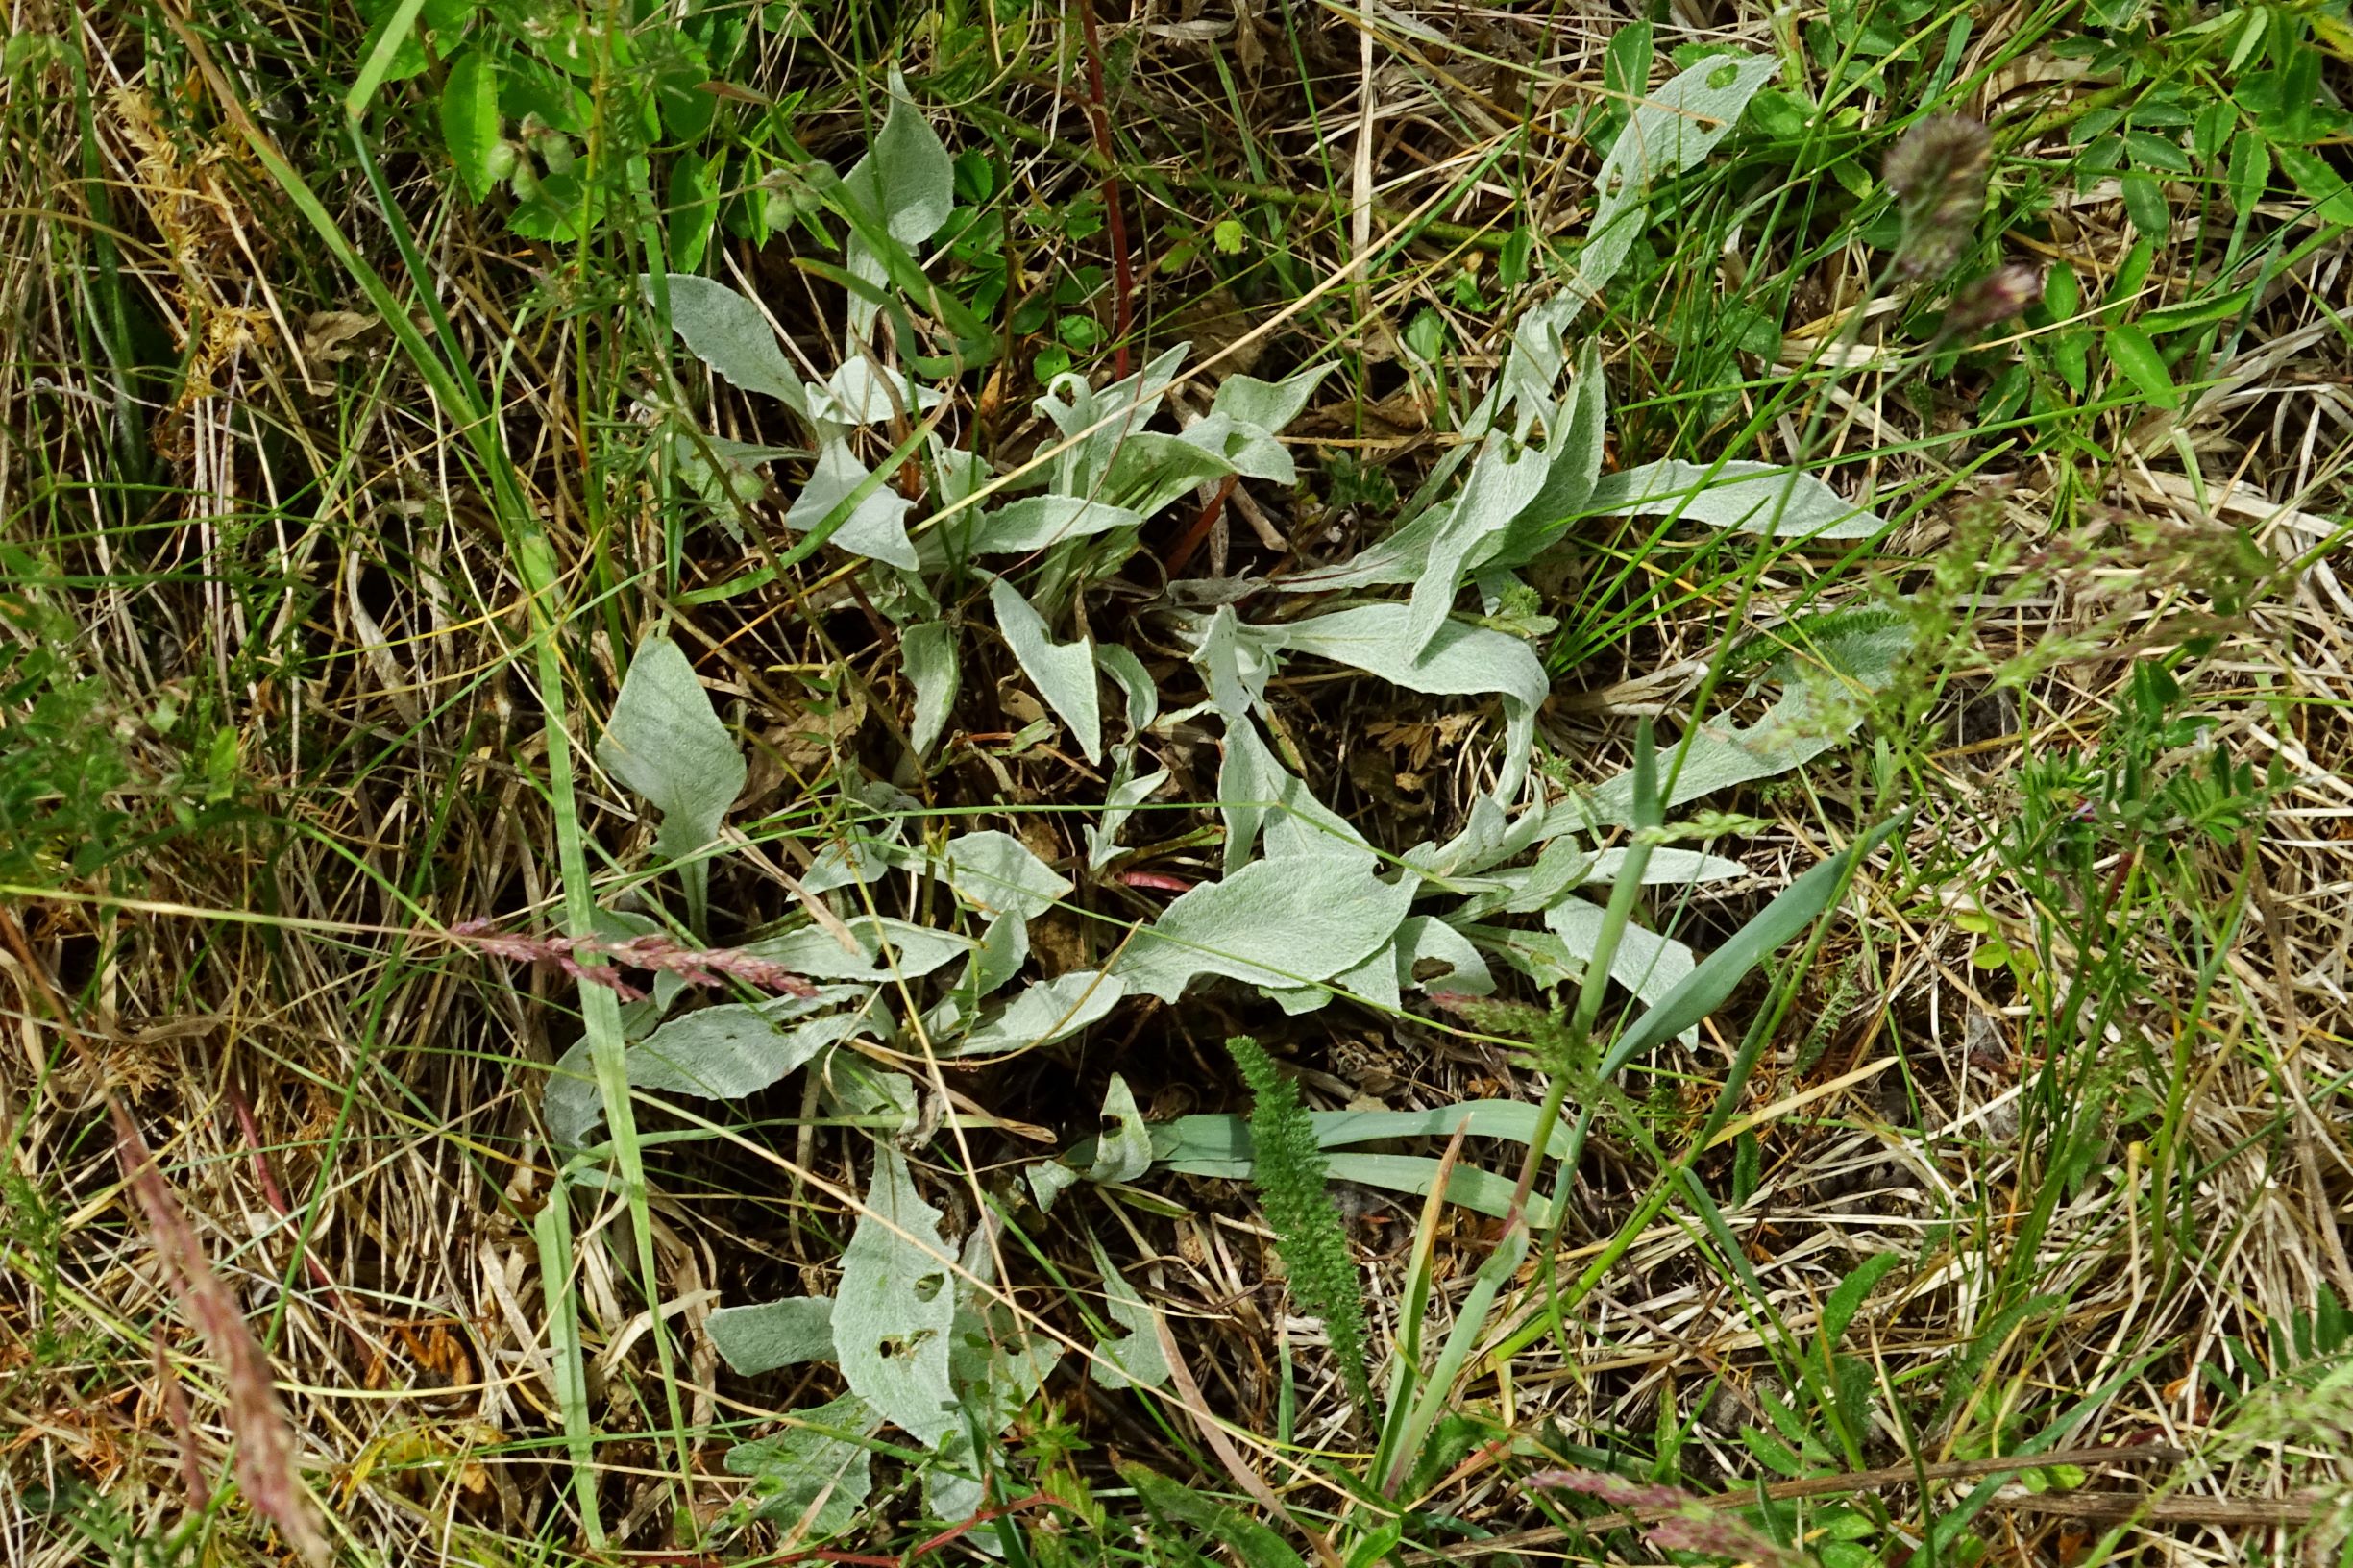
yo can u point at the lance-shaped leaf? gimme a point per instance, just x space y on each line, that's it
1754 497
1279 923
1063 672
665 742
1501 485
928 651
1254 790
1046 1012
1645 963
1133 1357
1037 522
728 333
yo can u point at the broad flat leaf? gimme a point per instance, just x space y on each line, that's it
739 1048
1135 1359
774 1334
1047 1011
1219 1145
1680 867
1037 522
665 742
1063 672
1269 405
895 1305
1459 660
886 948
997 873
470 119
876 529
906 179
1669 131
1501 485
928 651
815 1475
1434 956
1645 963
1539 955
728 333
1754 497
1279 923
858 394
1706 989
1254 790
1124 1152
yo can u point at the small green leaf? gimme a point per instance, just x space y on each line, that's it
469 123
1229 236
2131 352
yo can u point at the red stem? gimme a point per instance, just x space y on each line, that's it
1124 275
1200 529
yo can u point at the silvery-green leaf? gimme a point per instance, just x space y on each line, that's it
1459 660
774 1334
1539 955
1373 982
1135 682
666 743
1247 450
1645 963
1669 131
1270 405
928 651
1048 1180
1575 452
893 1307
878 528
1047 1011
1063 672
1151 469
1533 363
815 1475
959 472
1135 1358
1434 956
1801 726
728 333
1528 890
1119 804
1004 947
1037 522
858 394
888 948
1278 923
1236 680
998 873
1101 422
1124 1150
739 1048
906 179
1501 483
1668 866
1254 788
1754 497
1489 838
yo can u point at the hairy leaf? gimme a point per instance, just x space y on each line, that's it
1275 922
773 1333
1063 672
895 1305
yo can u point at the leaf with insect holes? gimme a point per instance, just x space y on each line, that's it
1432 955
1754 498
997 873
895 1305
665 743
1038 521
1669 131
876 526
773 1333
1063 672
728 333
814 1477
469 123
1124 1152
927 650
1279 923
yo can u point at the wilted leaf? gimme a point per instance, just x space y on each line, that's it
1124 1150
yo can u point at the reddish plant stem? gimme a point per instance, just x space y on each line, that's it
1098 113
1201 526
277 1200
